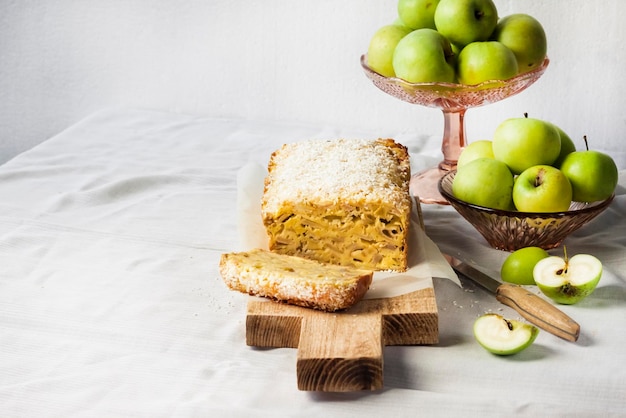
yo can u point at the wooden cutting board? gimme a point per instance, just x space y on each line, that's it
343 352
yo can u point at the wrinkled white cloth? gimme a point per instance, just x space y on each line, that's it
111 302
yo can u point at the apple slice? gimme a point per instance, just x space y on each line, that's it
568 281
502 336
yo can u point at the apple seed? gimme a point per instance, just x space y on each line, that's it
508 324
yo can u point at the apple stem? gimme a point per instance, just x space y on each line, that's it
564 269
539 177
586 143
526 115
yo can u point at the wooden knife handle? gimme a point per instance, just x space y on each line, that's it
538 311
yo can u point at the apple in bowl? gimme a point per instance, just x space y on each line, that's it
525 37
381 48
417 14
476 63
424 56
525 142
484 182
542 188
592 174
466 21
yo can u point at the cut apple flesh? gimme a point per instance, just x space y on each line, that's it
581 269
568 282
503 336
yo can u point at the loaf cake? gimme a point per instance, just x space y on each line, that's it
294 280
343 201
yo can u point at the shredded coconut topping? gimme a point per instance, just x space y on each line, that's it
329 171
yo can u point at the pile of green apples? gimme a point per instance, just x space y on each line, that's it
456 41
532 165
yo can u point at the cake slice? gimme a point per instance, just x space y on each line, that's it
343 201
294 280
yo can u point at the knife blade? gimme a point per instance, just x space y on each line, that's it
532 307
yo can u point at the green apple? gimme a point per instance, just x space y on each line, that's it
398 22
525 142
502 336
423 56
477 149
568 281
518 266
484 61
418 14
542 188
593 175
524 35
381 47
466 21
567 147
484 182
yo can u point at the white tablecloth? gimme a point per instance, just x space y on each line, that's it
111 304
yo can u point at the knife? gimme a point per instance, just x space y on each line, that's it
532 307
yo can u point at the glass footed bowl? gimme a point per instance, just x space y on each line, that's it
511 230
453 96
453 100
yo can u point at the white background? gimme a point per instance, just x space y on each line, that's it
291 60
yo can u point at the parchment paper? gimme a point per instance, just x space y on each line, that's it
425 259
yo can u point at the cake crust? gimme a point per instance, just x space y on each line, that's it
294 280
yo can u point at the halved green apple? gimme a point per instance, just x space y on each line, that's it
502 336
568 281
